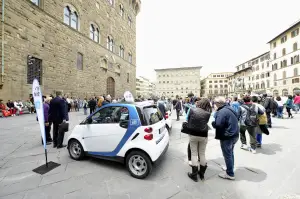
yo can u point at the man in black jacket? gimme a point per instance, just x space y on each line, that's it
92 104
227 131
57 115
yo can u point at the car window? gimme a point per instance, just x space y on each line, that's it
152 115
113 114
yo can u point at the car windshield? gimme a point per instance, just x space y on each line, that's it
152 115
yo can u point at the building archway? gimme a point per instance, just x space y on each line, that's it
110 86
285 92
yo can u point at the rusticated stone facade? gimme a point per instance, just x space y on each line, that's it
40 32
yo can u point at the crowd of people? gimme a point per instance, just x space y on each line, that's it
232 118
16 108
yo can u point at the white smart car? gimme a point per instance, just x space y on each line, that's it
134 134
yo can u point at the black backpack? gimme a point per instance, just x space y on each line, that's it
251 119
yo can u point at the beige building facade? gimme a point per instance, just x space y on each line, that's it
215 84
172 82
144 88
252 76
284 52
83 48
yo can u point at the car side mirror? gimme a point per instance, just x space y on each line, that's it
124 124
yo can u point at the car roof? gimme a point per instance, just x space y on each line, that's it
138 104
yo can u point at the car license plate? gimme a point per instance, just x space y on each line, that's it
162 129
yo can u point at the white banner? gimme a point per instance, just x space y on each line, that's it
39 107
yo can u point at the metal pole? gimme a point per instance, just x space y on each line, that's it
2 42
46 158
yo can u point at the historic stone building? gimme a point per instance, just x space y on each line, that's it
252 76
215 84
284 51
83 48
171 82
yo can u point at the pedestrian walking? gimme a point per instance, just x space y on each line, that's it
227 131
198 131
269 105
279 110
58 113
178 108
235 104
262 122
92 105
297 102
248 117
85 106
48 124
289 106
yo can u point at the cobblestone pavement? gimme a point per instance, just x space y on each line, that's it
273 172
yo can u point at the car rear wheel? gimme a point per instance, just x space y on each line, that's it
138 164
75 150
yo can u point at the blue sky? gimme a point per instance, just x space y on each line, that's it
217 35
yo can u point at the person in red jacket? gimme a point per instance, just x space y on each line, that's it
297 102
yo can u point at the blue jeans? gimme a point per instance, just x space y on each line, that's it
227 147
259 138
279 111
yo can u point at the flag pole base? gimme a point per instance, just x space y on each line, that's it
45 168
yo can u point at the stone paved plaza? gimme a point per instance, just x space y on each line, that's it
273 172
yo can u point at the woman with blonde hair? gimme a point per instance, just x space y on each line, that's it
100 101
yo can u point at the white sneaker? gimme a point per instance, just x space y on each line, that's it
224 175
252 150
245 147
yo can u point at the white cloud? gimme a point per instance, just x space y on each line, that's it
217 35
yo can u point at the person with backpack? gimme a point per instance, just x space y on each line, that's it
279 110
248 116
269 105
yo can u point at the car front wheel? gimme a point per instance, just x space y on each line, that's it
138 164
75 150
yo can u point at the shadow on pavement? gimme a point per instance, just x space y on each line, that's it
269 149
241 173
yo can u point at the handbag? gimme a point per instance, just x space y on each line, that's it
184 128
63 127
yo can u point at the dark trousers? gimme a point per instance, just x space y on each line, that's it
177 114
269 118
92 110
227 147
252 134
289 111
58 137
48 135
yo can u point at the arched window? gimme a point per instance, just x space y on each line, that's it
283 52
94 33
263 85
121 10
67 15
110 43
275 77
130 57
74 20
295 46
283 74
257 67
295 72
71 18
121 51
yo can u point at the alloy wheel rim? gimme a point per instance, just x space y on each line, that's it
75 149
137 165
